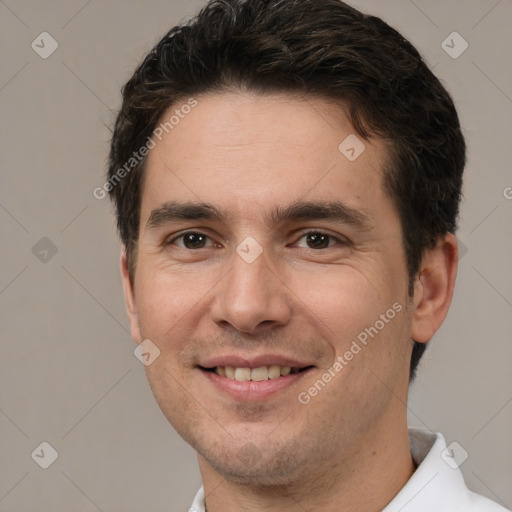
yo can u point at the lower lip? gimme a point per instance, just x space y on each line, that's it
253 390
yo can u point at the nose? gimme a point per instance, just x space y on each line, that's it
251 297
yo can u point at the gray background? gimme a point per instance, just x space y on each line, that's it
68 375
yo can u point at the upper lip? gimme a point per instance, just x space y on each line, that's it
253 362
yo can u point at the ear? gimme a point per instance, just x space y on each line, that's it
129 298
433 291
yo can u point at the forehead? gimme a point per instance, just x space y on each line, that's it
247 152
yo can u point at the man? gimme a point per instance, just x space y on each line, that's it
287 177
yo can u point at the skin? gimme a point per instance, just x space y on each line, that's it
247 154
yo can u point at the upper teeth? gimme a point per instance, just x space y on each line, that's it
258 374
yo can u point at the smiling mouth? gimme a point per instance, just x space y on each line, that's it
262 373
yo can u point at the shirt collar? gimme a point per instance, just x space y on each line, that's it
434 484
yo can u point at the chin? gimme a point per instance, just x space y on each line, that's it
258 466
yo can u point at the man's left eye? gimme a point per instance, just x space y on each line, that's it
319 240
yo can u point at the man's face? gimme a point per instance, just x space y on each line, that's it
331 269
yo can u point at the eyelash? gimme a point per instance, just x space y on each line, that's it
302 235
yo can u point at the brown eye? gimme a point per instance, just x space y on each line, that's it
317 240
191 240
194 241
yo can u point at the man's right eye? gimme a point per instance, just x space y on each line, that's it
191 240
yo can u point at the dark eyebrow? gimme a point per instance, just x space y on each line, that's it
330 211
173 211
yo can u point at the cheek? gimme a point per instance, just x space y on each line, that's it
344 299
163 302
345 307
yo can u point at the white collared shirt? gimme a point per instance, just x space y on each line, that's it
437 484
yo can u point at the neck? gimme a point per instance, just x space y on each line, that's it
364 480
